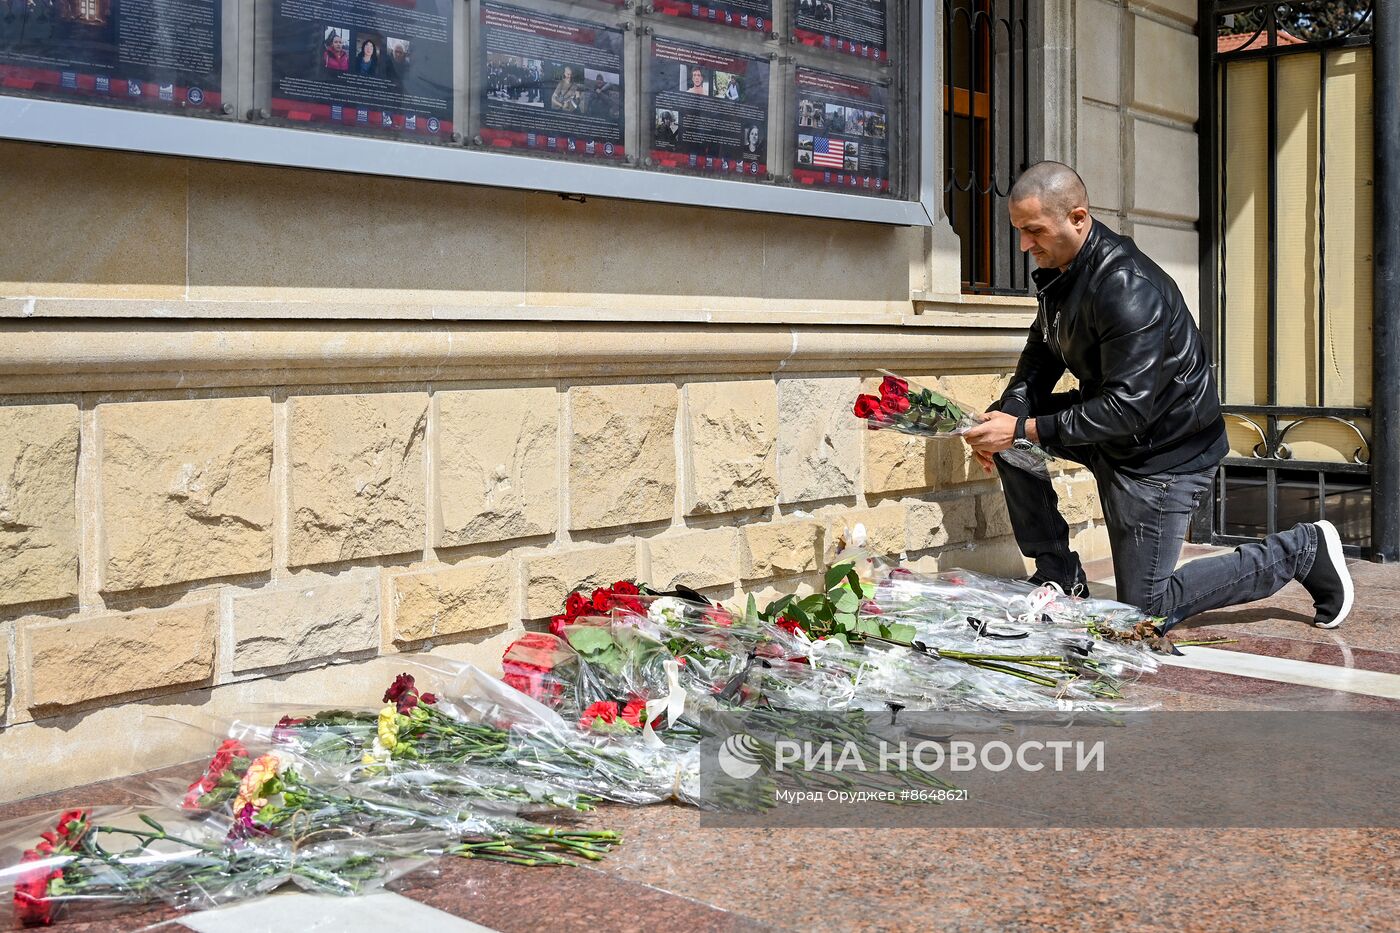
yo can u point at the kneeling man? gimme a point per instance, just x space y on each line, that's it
1145 419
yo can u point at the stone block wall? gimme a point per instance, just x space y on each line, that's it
182 554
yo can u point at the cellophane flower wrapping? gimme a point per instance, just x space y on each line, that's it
1086 645
90 861
905 406
266 786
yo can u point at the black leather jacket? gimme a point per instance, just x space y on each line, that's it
1147 399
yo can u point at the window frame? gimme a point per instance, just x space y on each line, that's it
78 124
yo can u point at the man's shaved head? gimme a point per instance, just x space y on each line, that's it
1050 208
1057 186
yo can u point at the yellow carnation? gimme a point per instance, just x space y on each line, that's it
259 772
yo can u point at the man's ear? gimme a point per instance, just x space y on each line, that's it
1079 217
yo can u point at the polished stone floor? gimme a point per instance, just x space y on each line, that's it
674 874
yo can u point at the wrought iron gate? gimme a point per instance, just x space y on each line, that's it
1287 253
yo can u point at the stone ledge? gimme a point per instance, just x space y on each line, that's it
68 356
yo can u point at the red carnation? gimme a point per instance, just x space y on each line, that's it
32 906
403 693
867 406
892 386
403 684
530 683
71 822
719 616
606 710
633 712
227 752
282 732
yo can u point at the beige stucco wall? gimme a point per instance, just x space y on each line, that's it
264 430
1137 78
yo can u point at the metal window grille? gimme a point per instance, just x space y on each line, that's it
986 136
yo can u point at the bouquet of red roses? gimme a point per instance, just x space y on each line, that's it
910 408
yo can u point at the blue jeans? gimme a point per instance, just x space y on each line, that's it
1147 519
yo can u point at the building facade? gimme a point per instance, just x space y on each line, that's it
265 428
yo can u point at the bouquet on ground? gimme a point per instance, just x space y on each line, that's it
96 858
276 794
909 408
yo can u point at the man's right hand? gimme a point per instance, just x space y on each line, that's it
985 460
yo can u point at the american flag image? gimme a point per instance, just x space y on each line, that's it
826 153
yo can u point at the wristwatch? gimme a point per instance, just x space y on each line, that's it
1021 442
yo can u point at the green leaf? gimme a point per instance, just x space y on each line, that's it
846 620
846 601
853 579
866 626
778 608
588 639
812 603
835 575
900 632
751 612
611 658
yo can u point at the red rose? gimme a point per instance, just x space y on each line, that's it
625 588
789 624
602 600
893 385
556 625
576 605
894 404
605 710
867 406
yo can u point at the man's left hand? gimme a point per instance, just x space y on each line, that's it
996 432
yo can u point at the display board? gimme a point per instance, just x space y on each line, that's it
150 54
852 27
550 84
755 15
383 67
708 109
841 132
